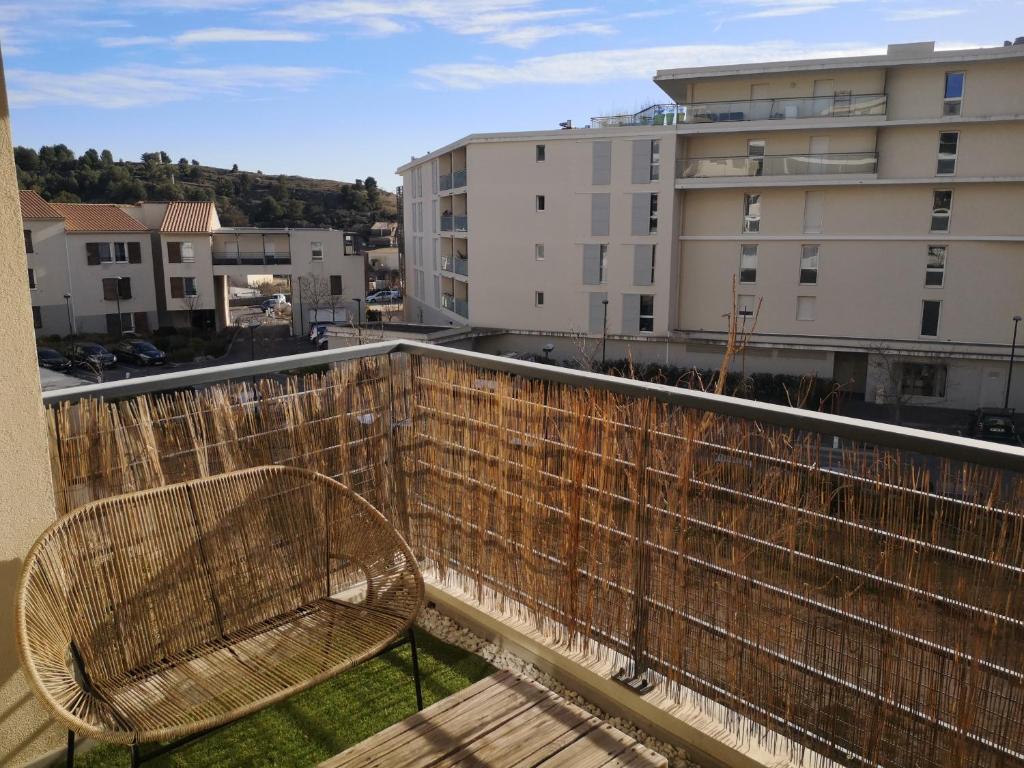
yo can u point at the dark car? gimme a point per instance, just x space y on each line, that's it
140 352
994 424
52 359
93 355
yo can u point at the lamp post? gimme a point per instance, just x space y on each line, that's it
1009 372
604 332
359 319
67 302
548 349
117 295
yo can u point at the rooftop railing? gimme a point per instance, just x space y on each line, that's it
834 163
850 586
789 108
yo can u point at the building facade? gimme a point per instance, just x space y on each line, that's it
171 264
865 208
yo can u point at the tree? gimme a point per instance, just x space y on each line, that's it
106 157
315 291
191 302
270 211
234 168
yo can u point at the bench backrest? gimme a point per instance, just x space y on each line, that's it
152 574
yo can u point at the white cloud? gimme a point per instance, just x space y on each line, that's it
128 42
653 13
237 35
623 64
515 23
922 14
767 9
118 88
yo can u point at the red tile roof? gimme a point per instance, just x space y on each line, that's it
34 207
188 217
96 217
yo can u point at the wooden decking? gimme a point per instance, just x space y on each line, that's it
502 721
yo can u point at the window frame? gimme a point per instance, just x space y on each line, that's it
942 379
120 251
186 294
540 203
105 247
540 153
29 244
538 251
602 264
652 223
538 298
940 271
316 250
817 263
654 256
948 100
947 157
812 302
949 211
747 249
32 284
938 318
648 316
748 218
37 316
655 168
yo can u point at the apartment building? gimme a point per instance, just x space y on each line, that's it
172 264
90 268
867 208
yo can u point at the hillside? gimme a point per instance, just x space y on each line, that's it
243 198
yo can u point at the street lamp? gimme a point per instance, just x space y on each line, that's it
1009 372
71 325
359 319
548 349
117 295
604 332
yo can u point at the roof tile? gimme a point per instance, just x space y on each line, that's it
96 217
34 207
188 217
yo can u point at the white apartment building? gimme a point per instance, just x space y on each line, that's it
174 260
868 209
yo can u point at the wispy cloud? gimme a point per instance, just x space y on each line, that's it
128 42
213 35
653 13
768 9
119 88
622 64
514 23
923 14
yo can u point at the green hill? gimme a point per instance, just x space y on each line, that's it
243 198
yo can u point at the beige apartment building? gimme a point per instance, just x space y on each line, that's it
175 264
867 207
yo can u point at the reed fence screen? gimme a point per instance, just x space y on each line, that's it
859 601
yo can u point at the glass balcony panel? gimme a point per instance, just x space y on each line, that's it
461 223
791 108
447 223
778 165
459 179
445 182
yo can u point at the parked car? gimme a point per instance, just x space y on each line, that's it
384 297
994 424
140 352
269 305
52 359
94 355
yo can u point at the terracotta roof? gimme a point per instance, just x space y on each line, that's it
188 217
96 217
34 207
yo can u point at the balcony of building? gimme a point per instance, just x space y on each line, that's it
455 256
755 584
807 164
451 169
745 110
454 214
253 247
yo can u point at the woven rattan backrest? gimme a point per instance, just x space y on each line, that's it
264 535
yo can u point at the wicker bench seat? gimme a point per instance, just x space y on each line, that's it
165 613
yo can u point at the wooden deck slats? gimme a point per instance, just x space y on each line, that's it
502 721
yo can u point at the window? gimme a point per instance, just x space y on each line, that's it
755 155
805 307
103 249
31 278
751 213
37 317
923 379
174 253
935 268
942 203
120 253
809 265
115 288
540 202
954 94
948 141
190 287
745 306
602 263
316 250
127 321
748 264
930 318
814 212
653 222
28 241
539 153
177 288
336 285
538 251
646 314
655 159
653 249
538 298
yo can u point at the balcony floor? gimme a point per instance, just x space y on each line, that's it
314 725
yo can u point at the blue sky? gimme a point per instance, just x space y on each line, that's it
344 89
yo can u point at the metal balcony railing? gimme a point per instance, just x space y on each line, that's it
458 265
445 182
778 165
459 179
254 258
462 306
788 108
447 223
461 223
849 585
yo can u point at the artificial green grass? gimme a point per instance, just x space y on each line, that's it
316 724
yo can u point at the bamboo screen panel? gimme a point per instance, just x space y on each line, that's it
862 602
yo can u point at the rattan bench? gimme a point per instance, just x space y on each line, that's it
162 614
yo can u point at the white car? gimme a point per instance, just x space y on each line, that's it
384 297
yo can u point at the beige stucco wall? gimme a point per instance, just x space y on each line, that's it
26 495
335 262
794 142
990 88
788 85
87 280
201 269
983 150
49 260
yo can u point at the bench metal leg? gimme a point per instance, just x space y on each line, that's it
416 669
136 756
71 749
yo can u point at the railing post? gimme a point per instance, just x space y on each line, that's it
394 457
636 678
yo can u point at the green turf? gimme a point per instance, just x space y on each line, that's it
316 724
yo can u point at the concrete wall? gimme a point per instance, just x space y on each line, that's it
50 263
335 262
990 88
201 269
91 308
25 487
787 85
